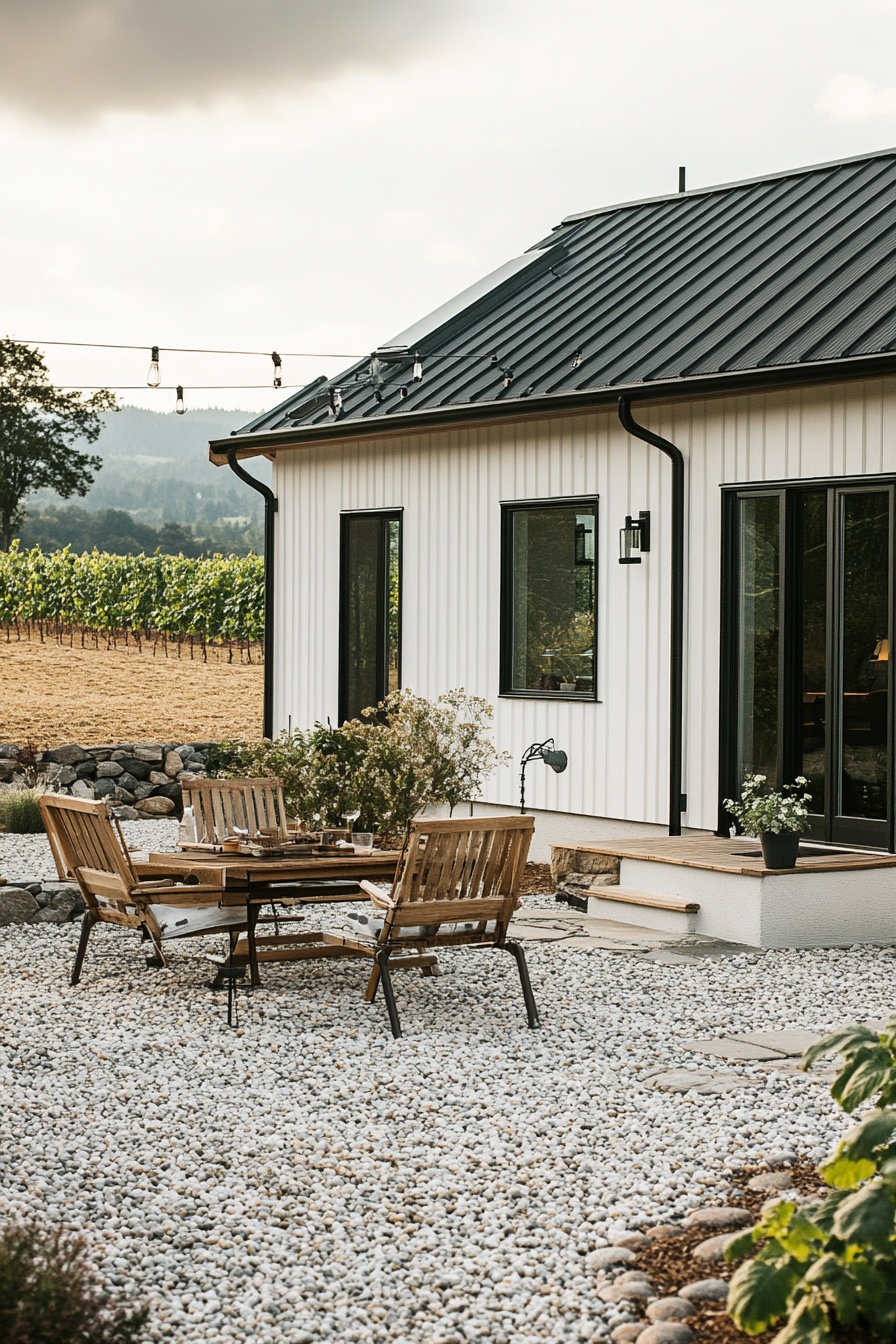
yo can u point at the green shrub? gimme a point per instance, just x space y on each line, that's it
403 755
19 812
50 1294
830 1267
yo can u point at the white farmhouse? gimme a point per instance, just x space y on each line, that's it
490 501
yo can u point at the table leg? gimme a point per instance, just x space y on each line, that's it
253 911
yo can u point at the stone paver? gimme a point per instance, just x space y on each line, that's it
726 1048
787 1042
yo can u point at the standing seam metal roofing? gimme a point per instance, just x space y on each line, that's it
781 270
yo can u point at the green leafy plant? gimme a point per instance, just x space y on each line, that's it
402 755
50 1294
760 809
20 813
829 1267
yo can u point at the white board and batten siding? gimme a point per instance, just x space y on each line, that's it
450 485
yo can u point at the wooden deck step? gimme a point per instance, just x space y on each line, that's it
669 913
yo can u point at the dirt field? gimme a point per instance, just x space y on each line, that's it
50 694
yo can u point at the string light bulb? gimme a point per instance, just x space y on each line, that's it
403 392
278 369
153 376
508 378
179 406
576 359
335 402
417 374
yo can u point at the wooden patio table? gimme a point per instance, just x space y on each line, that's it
251 882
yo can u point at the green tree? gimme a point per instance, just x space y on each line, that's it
39 427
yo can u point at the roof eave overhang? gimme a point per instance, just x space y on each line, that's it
267 443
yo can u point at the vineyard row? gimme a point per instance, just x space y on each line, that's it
150 600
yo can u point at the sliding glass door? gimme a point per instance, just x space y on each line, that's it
806 672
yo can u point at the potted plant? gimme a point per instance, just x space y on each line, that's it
778 819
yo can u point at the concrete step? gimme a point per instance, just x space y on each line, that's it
671 914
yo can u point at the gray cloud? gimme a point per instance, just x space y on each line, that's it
78 58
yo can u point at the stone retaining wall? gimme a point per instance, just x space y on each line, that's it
142 779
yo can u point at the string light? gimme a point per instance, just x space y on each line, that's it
179 403
278 369
185 349
508 378
576 359
403 392
417 374
335 402
153 377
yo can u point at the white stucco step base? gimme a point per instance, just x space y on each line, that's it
828 900
670 914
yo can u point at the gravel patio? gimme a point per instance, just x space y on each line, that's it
306 1177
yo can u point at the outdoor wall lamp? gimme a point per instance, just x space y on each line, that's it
540 751
634 537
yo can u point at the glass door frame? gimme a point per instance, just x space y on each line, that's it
832 828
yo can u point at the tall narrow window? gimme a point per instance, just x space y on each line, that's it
549 596
370 611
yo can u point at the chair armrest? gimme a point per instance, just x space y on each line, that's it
379 895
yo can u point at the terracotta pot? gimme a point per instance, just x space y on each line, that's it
780 851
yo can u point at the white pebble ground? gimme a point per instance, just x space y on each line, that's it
308 1178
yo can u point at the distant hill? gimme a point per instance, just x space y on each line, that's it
156 468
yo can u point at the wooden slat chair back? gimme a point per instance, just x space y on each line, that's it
457 884
89 847
225 807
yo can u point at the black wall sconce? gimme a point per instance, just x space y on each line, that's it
540 751
634 537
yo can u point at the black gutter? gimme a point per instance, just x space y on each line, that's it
709 385
676 641
270 508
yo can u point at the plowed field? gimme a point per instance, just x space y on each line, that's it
51 694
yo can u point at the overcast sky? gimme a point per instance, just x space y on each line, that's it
317 174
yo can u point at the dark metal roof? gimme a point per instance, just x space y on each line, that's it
794 269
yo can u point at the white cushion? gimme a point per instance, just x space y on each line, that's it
177 922
371 926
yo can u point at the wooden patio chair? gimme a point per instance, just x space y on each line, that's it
88 846
456 886
225 807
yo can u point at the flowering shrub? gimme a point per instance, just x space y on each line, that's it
757 812
404 754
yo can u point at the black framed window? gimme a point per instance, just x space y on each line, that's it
549 598
369 610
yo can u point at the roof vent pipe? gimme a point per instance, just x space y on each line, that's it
270 508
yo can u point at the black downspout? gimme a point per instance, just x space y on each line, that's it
270 508
676 651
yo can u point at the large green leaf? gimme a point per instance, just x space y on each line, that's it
843 1041
864 1074
874 1130
808 1324
760 1292
837 1284
866 1218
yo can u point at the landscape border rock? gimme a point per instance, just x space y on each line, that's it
140 779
